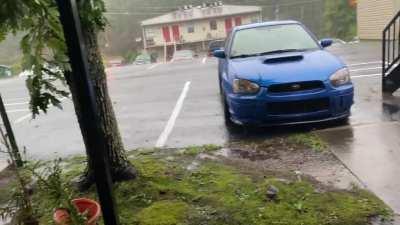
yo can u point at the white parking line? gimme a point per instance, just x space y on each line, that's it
21 119
364 69
365 63
16 103
175 113
366 75
153 66
16 99
17 110
204 60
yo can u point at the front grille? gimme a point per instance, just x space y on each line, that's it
296 107
294 87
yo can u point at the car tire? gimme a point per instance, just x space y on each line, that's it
227 115
220 85
342 121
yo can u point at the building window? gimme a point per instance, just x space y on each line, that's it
150 34
213 25
190 28
255 19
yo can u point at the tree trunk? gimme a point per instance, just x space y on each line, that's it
120 167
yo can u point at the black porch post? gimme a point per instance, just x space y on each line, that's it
69 17
10 135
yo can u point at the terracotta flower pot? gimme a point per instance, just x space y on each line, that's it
61 217
89 207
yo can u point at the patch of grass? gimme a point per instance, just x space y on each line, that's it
6 192
6 185
166 193
163 213
310 140
196 150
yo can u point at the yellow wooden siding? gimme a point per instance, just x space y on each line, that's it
373 16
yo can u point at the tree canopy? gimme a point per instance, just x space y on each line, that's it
340 19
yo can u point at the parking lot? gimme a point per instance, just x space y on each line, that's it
178 104
145 98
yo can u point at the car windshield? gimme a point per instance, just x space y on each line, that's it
269 39
4 71
143 57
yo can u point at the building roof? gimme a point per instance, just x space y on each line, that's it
197 13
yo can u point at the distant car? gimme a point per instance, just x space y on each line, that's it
5 71
53 69
183 55
278 73
115 63
142 59
215 45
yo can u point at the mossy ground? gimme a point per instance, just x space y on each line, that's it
213 193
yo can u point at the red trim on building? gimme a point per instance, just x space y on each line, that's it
238 21
166 34
176 33
228 25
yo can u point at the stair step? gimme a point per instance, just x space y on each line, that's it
392 81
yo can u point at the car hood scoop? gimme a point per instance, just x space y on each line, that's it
284 58
316 65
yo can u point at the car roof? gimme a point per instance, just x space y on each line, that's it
264 24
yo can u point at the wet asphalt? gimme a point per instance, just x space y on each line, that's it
146 96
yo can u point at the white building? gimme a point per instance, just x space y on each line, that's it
194 27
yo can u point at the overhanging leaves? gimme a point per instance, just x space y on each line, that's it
43 46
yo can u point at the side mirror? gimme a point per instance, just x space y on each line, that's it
220 53
326 42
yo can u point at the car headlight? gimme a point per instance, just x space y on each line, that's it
241 86
341 77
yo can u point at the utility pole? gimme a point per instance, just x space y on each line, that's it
10 135
69 17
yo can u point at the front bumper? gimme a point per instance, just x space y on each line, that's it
254 110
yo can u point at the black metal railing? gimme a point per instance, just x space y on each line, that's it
391 45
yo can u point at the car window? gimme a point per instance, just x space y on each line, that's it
271 38
143 57
227 42
184 53
4 71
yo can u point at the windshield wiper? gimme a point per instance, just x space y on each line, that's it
267 53
282 51
244 56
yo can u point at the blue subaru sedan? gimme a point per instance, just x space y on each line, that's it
278 73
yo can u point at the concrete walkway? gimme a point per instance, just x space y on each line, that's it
370 145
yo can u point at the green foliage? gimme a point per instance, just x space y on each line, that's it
340 19
43 45
54 188
309 140
163 213
195 150
19 205
167 193
130 57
